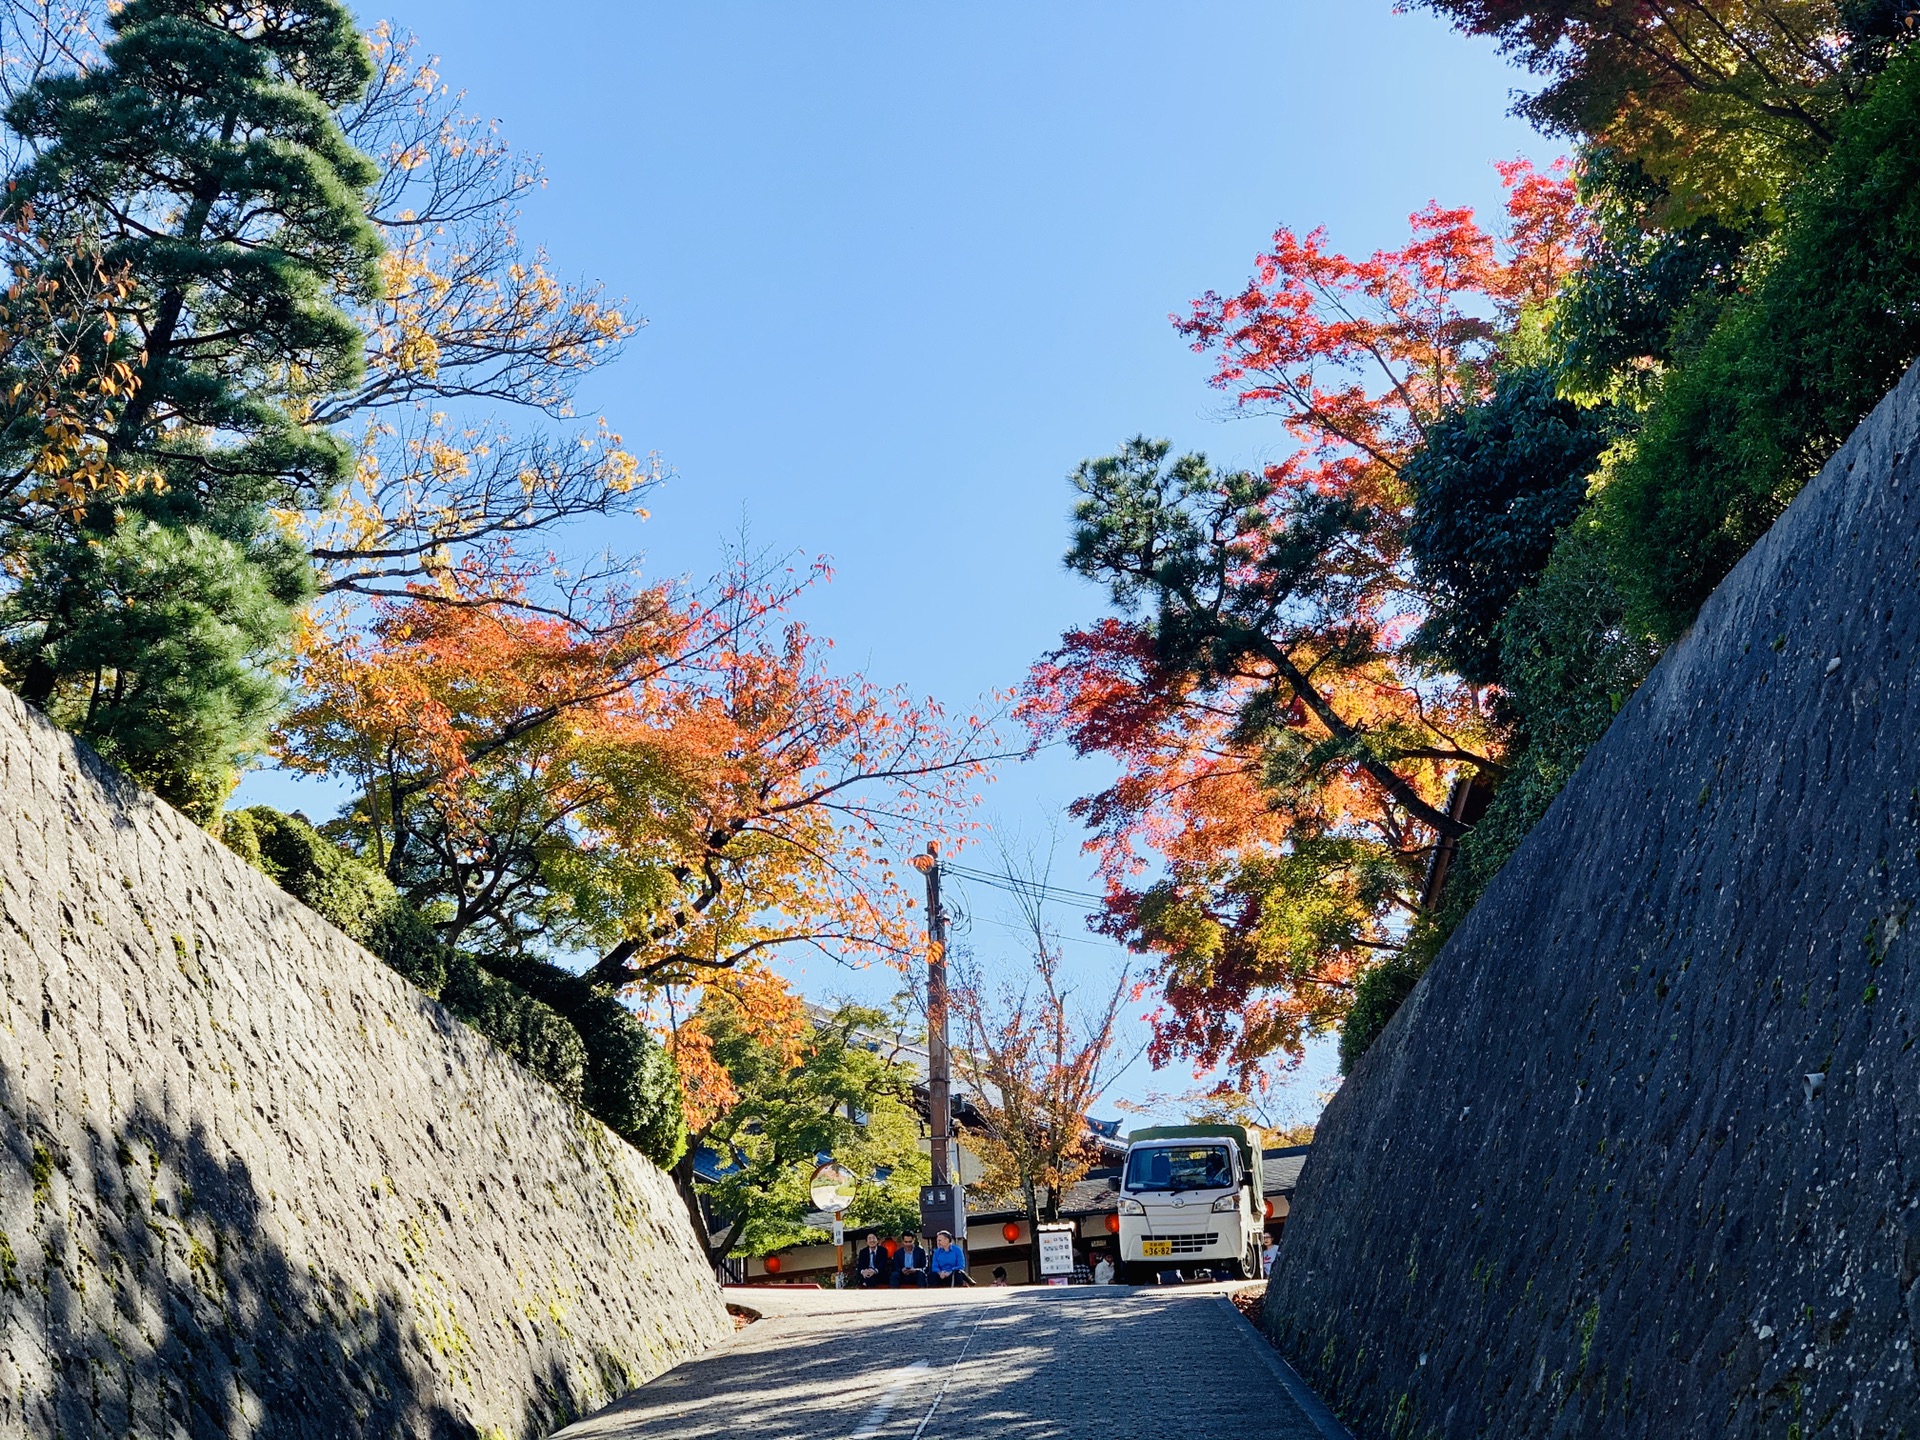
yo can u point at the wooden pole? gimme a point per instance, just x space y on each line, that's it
939 1060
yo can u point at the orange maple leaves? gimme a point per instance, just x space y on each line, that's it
669 788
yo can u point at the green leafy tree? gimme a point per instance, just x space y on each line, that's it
833 1095
1493 486
203 161
1830 320
1647 288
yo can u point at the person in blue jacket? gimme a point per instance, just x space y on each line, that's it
949 1266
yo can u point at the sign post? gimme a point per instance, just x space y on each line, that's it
831 1189
1056 1251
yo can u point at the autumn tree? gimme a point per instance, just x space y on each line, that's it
681 787
464 424
1035 1057
1723 101
1284 756
203 161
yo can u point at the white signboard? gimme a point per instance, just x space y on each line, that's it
1056 1249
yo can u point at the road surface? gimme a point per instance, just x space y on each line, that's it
1080 1363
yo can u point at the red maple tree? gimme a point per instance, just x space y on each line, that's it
1283 762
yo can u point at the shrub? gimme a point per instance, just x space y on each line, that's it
1379 993
338 887
1570 662
580 1040
530 1032
630 1082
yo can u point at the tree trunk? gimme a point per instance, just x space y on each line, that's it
1033 1236
690 1195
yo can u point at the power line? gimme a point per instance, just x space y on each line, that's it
1016 885
1108 947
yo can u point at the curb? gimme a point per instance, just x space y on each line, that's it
1310 1404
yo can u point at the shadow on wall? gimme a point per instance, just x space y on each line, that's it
142 1293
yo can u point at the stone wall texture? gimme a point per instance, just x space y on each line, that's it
252 1183
1641 1154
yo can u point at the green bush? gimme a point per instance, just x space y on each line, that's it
1493 485
630 1082
530 1032
365 905
1569 662
1380 993
580 1040
339 888
1645 291
1831 319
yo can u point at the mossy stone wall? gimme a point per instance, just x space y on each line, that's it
254 1183
1640 1155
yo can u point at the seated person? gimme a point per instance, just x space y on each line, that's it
870 1267
1103 1269
949 1264
909 1263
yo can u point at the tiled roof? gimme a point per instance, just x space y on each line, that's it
1280 1169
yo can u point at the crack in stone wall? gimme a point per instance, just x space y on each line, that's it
1641 1154
252 1183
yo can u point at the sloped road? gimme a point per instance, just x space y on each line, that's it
1086 1363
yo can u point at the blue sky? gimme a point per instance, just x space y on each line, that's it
904 265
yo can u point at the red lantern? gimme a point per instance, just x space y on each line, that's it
1011 1230
773 1264
1113 1224
1269 1209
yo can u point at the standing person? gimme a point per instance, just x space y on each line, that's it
949 1264
870 1266
910 1263
1268 1255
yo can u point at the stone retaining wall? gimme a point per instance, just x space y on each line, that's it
1641 1154
253 1183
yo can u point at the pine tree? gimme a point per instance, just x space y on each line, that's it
203 161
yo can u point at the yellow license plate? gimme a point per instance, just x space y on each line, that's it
1154 1248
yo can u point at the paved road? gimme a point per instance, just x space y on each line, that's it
1084 1363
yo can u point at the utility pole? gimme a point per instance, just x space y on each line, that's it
939 1062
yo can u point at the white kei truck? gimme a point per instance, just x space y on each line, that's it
1190 1198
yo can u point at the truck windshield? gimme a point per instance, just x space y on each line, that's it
1198 1167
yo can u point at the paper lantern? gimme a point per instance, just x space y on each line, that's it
1113 1224
1011 1230
1269 1209
773 1264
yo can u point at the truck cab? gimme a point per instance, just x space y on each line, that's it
1190 1198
